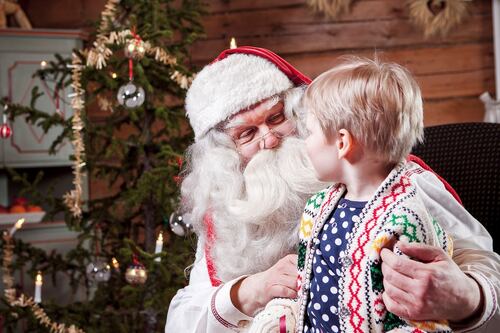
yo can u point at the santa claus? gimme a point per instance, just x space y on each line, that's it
246 182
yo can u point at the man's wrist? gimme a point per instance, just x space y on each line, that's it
476 304
241 299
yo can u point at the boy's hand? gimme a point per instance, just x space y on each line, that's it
429 286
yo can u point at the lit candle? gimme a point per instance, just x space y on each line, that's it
159 246
16 227
38 288
232 43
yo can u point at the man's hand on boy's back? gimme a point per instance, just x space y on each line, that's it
429 286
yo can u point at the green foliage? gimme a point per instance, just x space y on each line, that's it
135 152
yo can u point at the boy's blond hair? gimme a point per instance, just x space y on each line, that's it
379 103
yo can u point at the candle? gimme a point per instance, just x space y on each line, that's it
232 43
159 246
38 288
16 227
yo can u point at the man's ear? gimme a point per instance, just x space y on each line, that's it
345 143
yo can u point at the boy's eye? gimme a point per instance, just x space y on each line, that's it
276 118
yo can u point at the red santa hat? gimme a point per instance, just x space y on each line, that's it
235 80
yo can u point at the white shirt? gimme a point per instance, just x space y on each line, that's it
199 307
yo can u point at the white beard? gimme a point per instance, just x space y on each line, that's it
256 214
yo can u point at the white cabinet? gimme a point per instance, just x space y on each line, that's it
21 54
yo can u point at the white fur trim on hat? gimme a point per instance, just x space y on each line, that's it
227 86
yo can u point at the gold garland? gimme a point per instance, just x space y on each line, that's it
24 301
437 16
97 57
73 199
331 8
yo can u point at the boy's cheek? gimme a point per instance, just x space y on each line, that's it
309 148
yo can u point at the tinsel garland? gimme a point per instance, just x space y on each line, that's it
73 198
97 57
24 301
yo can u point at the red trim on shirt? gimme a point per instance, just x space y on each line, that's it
210 239
216 314
448 187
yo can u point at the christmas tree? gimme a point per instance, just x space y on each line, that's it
136 72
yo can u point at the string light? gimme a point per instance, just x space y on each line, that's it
232 43
115 263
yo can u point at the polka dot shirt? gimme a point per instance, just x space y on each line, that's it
322 308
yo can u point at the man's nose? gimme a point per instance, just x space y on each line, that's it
269 141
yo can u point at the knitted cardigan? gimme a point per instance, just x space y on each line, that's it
395 212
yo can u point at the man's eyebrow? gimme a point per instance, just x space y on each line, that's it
269 104
234 123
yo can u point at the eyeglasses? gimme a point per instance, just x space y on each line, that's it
280 131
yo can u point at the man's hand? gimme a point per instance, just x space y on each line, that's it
430 286
255 291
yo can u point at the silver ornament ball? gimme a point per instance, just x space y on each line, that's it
131 95
179 224
98 271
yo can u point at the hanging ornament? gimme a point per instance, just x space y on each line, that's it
5 130
437 16
98 271
131 95
135 49
179 224
330 8
136 273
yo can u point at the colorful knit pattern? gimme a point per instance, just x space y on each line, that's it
394 213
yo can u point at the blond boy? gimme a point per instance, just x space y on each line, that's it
364 117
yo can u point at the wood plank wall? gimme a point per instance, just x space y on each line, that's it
452 71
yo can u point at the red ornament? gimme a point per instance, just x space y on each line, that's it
179 162
5 131
177 180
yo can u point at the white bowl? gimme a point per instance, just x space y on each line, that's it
31 217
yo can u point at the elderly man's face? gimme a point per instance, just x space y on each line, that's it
262 126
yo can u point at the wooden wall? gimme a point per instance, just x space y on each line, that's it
452 71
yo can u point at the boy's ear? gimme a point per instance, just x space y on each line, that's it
345 143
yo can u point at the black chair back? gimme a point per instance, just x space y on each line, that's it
467 155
